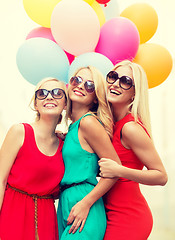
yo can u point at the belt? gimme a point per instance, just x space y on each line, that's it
35 198
66 186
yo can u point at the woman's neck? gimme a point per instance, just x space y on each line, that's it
119 113
78 111
46 128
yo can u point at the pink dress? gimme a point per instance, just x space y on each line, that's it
128 214
34 173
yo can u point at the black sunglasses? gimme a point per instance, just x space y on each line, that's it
124 82
56 93
88 85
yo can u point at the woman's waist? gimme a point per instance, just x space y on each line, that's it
53 195
123 188
32 190
74 179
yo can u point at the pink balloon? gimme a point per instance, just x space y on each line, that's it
75 26
46 33
41 32
119 40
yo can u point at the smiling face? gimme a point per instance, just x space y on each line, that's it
50 106
78 93
118 96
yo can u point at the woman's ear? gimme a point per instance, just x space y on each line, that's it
35 106
95 101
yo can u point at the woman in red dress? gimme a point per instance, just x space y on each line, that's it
128 214
31 167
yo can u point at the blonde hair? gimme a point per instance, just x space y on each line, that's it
38 86
101 109
140 106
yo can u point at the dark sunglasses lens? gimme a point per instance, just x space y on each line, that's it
75 81
89 86
57 93
112 77
125 82
41 93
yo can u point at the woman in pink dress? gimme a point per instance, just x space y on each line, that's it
128 214
31 167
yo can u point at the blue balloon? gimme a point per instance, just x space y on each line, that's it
39 58
97 60
111 10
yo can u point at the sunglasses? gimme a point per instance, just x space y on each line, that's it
56 93
88 85
124 82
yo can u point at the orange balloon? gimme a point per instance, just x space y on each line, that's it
156 61
144 17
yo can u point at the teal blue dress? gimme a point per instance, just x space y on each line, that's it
80 166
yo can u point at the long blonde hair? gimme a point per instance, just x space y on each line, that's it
101 109
140 106
38 86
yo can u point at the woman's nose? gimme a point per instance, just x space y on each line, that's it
49 96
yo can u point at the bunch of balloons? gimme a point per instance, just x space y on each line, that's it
76 33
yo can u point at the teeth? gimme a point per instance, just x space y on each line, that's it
49 105
78 93
115 92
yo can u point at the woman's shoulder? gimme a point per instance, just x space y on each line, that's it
90 119
15 134
133 132
90 123
17 129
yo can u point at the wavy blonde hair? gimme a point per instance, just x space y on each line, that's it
139 108
38 86
101 109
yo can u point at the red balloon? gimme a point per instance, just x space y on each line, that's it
102 1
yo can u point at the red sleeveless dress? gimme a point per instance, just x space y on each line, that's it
128 214
34 173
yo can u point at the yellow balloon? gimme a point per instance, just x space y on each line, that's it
98 9
100 14
156 61
40 11
89 1
144 17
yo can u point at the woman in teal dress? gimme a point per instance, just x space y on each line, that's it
81 213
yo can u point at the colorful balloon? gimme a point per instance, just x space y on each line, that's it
111 10
119 40
75 26
100 14
38 58
40 11
89 1
41 32
102 63
144 17
156 61
46 33
102 1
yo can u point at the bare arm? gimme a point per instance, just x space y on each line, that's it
97 138
134 137
10 147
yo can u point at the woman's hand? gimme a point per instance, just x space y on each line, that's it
78 216
109 168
